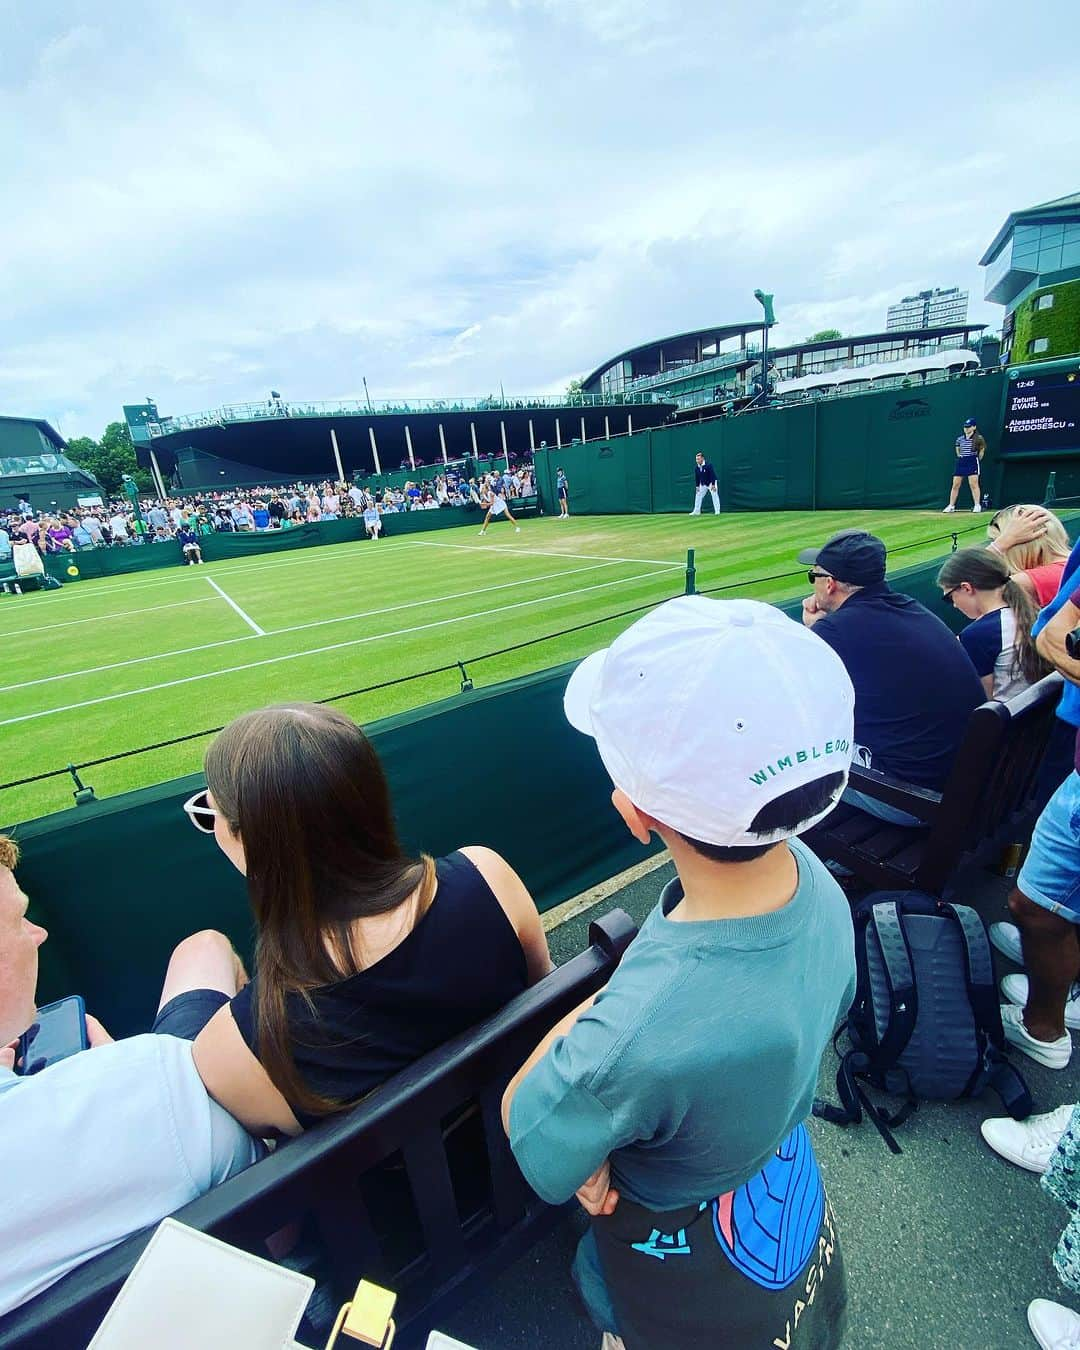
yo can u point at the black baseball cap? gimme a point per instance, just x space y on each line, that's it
970 422
853 556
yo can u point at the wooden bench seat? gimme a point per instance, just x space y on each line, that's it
446 1206
990 794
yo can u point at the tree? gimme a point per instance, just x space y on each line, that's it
574 391
825 335
110 458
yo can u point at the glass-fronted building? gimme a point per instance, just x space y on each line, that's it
1033 269
35 469
715 365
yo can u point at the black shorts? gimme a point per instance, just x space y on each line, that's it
185 1015
759 1266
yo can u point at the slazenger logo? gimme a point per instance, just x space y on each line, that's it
768 771
909 407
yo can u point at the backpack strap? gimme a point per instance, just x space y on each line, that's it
900 978
1006 1081
854 1101
978 970
1009 1085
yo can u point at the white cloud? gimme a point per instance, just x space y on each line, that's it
203 201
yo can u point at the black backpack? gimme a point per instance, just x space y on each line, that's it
926 1022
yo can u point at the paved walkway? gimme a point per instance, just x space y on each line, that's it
945 1245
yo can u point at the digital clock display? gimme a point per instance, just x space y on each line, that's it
1042 412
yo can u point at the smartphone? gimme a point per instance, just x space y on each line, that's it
59 1031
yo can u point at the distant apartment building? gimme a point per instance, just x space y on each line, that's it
928 309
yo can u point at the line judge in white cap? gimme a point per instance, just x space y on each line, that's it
673 1103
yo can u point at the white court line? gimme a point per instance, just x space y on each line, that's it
101 618
252 563
295 628
332 647
259 632
543 553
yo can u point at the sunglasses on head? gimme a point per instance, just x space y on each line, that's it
200 812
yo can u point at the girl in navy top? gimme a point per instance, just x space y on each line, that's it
366 957
977 582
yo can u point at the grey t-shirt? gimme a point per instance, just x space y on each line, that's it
699 1057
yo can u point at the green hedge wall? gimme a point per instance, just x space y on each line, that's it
1061 324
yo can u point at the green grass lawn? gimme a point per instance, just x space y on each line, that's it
109 665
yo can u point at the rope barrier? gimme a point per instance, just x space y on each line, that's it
460 666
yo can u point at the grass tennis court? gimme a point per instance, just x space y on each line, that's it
108 665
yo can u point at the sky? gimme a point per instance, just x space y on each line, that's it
204 201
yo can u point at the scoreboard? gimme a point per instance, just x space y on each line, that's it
1042 412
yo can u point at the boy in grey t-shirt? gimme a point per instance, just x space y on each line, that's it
673 1103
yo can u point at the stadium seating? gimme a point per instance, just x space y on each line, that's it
993 788
416 1187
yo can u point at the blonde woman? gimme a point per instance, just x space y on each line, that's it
1033 542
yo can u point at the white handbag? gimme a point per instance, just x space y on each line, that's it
188 1289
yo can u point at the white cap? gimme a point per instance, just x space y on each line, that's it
706 710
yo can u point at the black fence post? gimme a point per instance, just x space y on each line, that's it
691 573
83 794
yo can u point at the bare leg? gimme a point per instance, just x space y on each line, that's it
955 491
485 524
205 960
1052 961
976 489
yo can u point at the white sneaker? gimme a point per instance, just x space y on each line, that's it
1027 1143
1015 989
483 531
1051 1054
1006 938
975 510
517 529
948 510
1053 1325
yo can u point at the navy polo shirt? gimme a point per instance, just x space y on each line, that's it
915 686
704 474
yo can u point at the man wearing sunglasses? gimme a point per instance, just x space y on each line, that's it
915 686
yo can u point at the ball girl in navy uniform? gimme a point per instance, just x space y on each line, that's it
970 448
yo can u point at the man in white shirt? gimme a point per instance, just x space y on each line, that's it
110 1140
94 530
118 528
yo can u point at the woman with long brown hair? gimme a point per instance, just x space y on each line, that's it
366 957
977 582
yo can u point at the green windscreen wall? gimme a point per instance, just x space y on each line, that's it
890 449
119 883
246 543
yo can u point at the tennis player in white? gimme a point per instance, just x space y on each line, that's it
498 507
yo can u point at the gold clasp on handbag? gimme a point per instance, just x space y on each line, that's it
366 1318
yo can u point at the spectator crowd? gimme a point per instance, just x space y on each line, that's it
727 730
186 519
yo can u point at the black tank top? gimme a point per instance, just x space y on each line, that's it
462 962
